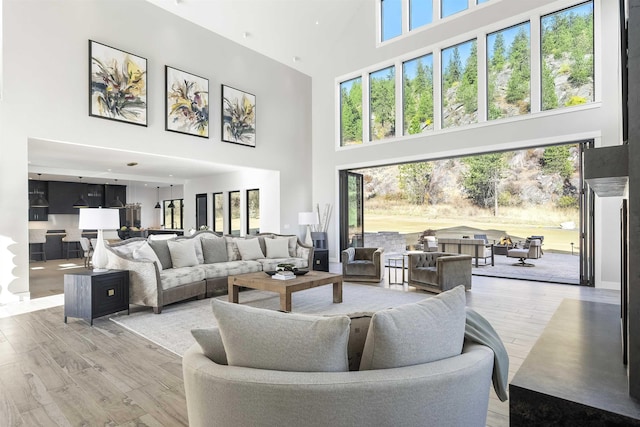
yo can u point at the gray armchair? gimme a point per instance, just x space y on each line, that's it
439 271
363 264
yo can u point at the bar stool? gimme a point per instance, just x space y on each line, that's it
88 251
37 237
73 237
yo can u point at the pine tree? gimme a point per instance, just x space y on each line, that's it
518 87
498 60
468 90
549 97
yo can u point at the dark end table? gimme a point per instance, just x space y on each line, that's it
90 294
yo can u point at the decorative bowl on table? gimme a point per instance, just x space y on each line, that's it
300 272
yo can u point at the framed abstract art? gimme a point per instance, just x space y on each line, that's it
238 117
186 103
117 84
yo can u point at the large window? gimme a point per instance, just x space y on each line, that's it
173 215
201 210
351 112
253 211
567 57
382 96
218 212
234 213
420 13
450 7
509 72
460 85
391 13
417 93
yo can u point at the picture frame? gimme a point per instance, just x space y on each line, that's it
186 103
117 84
238 124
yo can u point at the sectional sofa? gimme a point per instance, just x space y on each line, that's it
164 271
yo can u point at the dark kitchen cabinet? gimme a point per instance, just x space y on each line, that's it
38 188
95 195
62 196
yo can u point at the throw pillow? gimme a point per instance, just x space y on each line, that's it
412 334
249 249
197 244
211 344
233 253
146 252
267 339
214 250
161 249
183 253
277 248
292 242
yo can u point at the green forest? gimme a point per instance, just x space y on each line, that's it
567 80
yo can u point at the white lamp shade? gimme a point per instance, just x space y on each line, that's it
99 219
308 218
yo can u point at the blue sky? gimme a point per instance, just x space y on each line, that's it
508 34
449 7
347 85
410 67
421 13
464 49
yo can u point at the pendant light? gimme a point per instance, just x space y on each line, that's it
117 203
39 201
158 198
171 205
81 202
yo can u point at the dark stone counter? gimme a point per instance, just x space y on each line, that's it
574 374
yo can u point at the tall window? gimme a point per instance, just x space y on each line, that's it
420 13
218 212
201 210
253 211
451 7
382 107
391 14
173 216
567 57
509 72
234 213
460 84
417 94
351 112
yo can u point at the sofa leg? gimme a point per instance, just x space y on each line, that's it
157 310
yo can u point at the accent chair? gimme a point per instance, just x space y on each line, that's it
363 264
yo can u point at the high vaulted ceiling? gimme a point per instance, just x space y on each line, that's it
307 30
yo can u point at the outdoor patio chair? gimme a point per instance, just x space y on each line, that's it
533 252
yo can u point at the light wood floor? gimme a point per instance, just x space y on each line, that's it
58 374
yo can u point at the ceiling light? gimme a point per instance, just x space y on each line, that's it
132 164
317 22
296 59
117 203
81 202
39 201
171 205
157 206
245 35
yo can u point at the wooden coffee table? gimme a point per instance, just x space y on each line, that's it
285 288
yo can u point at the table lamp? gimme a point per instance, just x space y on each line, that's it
308 219
99 219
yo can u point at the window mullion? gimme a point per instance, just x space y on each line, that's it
399 101
366 110
437 88
481 43
536 64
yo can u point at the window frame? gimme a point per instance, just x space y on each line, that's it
248 210
231 194
165 208
215 218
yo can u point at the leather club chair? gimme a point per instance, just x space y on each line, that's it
363 264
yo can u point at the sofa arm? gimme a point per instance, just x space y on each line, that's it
454 270
144 278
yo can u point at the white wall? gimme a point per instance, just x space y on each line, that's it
358 53
45 95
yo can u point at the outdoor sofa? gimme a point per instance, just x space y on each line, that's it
164 271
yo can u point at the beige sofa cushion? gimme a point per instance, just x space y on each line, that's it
249 249
277 248
183 253
267 339
394 340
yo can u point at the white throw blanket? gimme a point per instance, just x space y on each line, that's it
479 330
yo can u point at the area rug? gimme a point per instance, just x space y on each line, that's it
172 328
